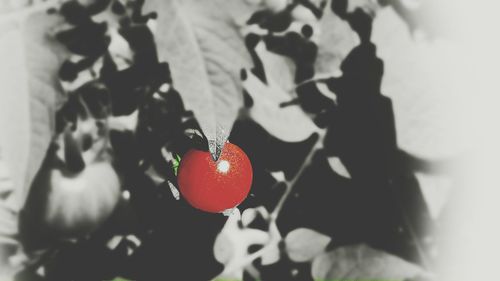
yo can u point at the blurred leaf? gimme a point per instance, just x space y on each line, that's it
364 263
288 124
44 56
303 244
202 43
424 100
30 93
278 69
335 41
429 17
121 279
232 244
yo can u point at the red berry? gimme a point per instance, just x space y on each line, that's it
215 186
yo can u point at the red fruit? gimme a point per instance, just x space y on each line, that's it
215 186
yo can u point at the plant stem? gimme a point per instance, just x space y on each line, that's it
291 183
274 215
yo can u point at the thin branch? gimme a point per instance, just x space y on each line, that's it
291 183
274 215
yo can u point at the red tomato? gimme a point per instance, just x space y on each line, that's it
215 186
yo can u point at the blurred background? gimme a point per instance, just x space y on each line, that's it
371 127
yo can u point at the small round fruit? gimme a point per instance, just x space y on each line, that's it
77 205
215 186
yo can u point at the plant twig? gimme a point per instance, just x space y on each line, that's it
274 215
291 183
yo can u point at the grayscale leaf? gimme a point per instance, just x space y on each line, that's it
202 43
361 262
303 244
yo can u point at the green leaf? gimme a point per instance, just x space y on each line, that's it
175 163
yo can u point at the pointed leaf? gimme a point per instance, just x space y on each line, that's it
202 43
337 165
303 244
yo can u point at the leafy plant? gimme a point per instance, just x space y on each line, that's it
299 83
